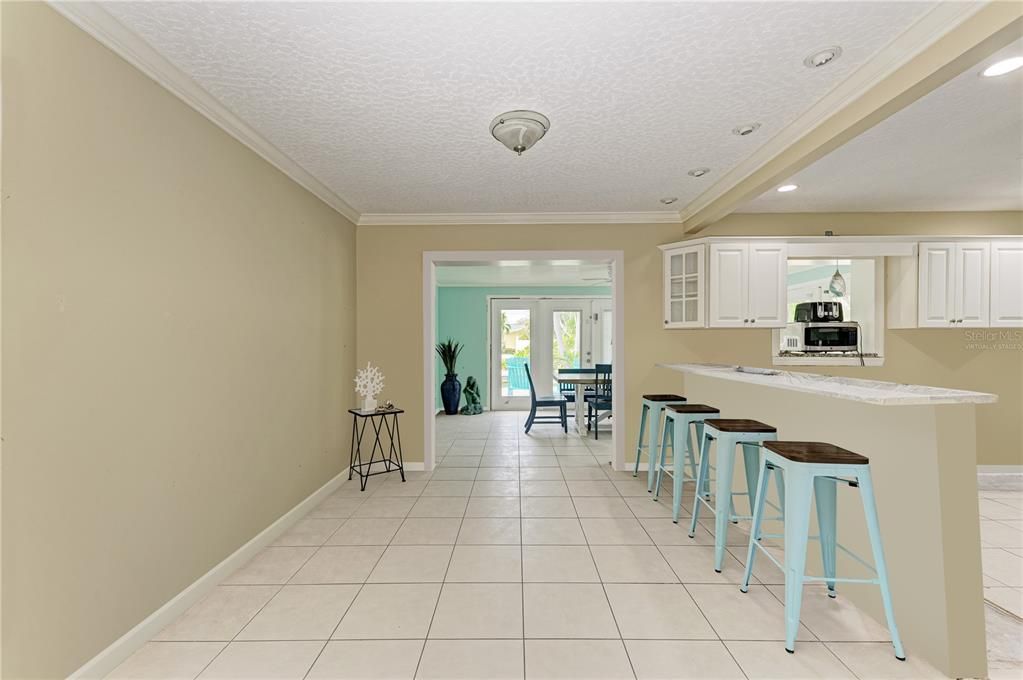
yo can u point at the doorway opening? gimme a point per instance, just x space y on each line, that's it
553 311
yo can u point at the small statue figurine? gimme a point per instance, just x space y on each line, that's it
473 406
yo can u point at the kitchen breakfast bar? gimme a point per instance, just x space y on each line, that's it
921 442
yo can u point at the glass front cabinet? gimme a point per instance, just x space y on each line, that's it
684 287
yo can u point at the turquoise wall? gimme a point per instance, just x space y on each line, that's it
462 316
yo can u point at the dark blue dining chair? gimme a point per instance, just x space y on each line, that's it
600 400
544 402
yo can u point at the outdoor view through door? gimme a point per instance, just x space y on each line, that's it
549 334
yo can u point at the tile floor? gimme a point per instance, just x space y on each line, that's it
1001 547
527 556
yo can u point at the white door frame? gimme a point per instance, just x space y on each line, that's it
433 258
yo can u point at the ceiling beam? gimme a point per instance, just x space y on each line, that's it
943 44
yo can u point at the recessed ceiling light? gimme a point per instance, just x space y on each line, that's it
823 57
748 129
785 188
698 172
669 200
1000 68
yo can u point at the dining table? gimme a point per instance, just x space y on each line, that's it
581 382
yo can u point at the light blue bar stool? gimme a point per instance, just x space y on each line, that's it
678 428
817 468
653 406
729 433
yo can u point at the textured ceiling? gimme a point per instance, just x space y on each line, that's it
389 104
959 147
526 273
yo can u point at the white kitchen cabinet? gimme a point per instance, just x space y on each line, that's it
748 284
684 285
955 284
1006 284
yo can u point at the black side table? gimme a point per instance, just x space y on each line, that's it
383 422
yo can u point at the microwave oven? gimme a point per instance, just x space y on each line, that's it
842 336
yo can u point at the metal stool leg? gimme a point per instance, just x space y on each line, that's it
874 529
701 479
639 444
670 432
653 454
758 516
824 494
723 508
676 485
797 530
751 467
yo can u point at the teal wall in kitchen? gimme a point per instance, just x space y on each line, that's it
462 316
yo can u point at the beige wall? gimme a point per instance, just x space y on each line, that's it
391 334
178 331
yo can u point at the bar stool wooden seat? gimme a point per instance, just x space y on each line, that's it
678 422
816 468
729 433
653 407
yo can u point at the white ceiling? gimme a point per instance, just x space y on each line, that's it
388 104
959 147
526 273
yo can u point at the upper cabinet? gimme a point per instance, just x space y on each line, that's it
1007 284
685 280
748 284
954 284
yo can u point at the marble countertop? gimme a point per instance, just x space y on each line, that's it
853 389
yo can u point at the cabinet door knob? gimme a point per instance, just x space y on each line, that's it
752 320
745 320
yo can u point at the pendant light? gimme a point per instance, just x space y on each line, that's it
837 285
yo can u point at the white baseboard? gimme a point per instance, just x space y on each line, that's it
126 645
1000 469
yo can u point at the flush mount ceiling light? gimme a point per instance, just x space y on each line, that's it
669 200
698 172
747 129
1000 68
823 57
785 188
520 130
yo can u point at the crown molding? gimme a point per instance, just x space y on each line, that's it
426 219
924 33
101 25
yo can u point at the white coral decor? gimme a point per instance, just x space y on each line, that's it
369 382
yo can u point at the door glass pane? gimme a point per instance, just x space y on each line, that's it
514 352
691 310
676 311
691 287
678 288
565 340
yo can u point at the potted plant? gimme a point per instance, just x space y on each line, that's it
451 388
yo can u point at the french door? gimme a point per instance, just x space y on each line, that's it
548 334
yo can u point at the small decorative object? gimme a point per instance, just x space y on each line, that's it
451 388
369 382
473 406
